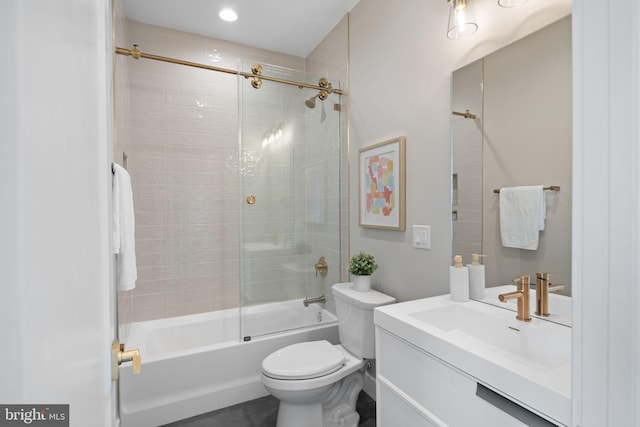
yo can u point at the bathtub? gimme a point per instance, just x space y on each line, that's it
198 363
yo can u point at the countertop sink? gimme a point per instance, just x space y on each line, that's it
529 362
517 340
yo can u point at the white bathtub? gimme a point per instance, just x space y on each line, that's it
197 364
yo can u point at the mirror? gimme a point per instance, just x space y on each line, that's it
517 133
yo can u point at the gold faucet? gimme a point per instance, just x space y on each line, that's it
522 294
543 287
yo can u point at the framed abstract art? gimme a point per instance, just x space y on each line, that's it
382 185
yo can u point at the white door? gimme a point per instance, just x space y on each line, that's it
56 320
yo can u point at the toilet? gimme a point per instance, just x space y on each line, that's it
317 382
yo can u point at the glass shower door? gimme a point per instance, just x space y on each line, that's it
289 173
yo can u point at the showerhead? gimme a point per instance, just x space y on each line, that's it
322 95
311 102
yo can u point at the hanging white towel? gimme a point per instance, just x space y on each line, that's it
523 211
124 244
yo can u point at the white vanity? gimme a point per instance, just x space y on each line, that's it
443 363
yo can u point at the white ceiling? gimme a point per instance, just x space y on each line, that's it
294 27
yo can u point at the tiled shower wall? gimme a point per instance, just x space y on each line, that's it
183 159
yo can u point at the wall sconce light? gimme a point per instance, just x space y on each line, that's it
462 19
511 3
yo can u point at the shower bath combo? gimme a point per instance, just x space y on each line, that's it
288 202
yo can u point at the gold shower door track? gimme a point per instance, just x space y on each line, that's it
256 75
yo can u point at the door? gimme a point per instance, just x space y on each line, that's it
55 306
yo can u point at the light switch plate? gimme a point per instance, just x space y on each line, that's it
422 236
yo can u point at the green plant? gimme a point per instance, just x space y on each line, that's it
362 264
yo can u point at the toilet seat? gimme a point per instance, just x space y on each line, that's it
303 361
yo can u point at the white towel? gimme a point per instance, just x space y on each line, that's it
523 211
124 244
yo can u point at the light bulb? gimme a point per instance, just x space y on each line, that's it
462 20
228 15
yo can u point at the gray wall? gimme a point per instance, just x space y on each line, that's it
400 72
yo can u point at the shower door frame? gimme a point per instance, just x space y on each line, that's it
282 249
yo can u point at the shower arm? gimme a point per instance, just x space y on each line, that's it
324 87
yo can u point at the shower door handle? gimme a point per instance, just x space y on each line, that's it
119 356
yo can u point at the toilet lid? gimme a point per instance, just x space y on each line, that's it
303 360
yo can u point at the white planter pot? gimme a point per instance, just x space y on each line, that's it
361 283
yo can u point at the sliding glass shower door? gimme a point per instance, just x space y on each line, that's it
290 175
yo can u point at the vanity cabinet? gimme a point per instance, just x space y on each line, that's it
415 388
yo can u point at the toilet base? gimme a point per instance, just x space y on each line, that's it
336 407
339 410
290 414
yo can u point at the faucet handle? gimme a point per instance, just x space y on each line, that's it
322 267
522 280
544 276
556 287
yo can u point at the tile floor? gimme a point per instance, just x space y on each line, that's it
263 412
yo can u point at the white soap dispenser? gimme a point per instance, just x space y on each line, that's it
459 280
476 277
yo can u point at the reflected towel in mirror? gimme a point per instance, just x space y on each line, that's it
523 212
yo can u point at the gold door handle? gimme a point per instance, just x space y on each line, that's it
119 356
251 199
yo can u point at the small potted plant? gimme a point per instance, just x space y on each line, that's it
362 266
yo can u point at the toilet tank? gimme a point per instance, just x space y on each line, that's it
355 318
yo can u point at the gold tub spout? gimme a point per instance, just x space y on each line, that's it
522 295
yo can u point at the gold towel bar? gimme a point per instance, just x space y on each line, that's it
466 114
552 188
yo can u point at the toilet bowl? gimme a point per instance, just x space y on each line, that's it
317 382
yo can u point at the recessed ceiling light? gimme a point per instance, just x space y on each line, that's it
228 15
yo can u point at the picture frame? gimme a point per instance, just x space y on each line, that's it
382 185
